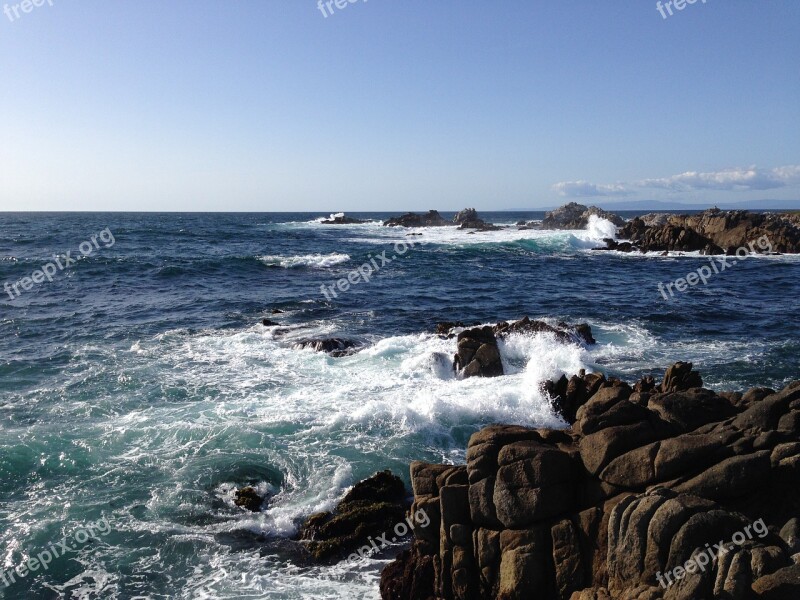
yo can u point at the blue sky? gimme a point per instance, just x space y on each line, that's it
267 105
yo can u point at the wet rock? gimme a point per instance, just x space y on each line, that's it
269 323
430 219
478 354
612 244
248 498
445 327
373 507
563 332
410 575
480 225
336 347
342 220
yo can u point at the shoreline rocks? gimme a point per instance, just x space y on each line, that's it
648 477
712 232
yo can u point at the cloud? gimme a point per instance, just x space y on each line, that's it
582 189
750 178
739 178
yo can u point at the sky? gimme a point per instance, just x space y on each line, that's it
271 105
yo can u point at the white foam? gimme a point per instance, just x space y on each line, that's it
600 228
331 217
318 261
399 388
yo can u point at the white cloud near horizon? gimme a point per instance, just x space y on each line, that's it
586 189
739 179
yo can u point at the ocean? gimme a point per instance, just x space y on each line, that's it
139 388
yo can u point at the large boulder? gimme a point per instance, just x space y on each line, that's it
478 354
372 508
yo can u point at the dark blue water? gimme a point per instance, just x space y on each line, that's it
140 387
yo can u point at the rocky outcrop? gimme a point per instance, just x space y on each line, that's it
430 219
372 508
480 225
466 216
342 219
714 232
468 219
478 354
336 347
576 216
661 491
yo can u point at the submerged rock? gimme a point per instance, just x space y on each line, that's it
248 498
